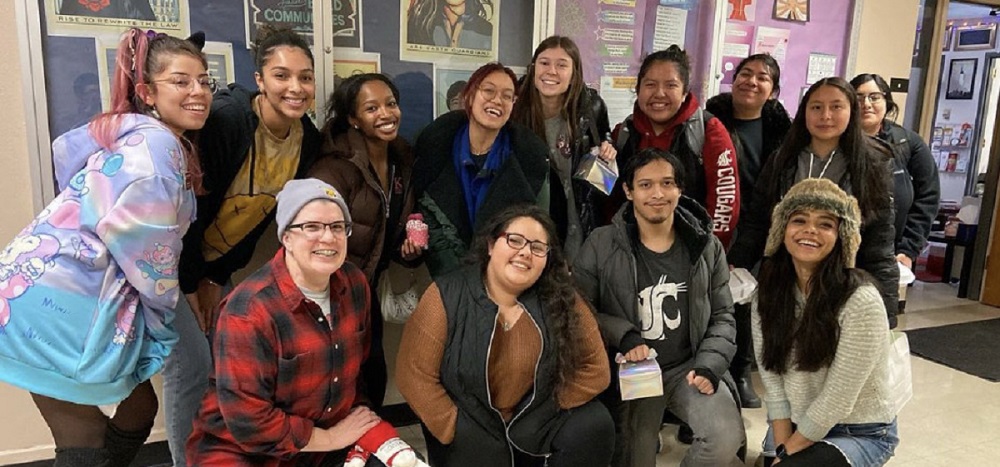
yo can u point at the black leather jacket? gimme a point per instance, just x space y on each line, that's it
589 200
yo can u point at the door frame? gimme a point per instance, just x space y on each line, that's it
988 205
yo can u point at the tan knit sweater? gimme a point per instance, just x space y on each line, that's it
510 370
853 389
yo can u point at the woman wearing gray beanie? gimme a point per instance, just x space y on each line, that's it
288 348
821 340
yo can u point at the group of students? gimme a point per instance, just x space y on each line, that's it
540 279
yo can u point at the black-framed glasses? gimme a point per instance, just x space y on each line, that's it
518 242
873 97
315 230
490 93
186 84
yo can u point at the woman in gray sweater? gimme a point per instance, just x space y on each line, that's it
821 341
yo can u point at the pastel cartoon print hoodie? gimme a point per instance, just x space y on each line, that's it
88 288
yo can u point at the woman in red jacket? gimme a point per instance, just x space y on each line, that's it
666 116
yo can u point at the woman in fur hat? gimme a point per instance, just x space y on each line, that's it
821 340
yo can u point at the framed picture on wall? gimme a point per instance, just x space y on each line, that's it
961 79
946 40
791 10
979 37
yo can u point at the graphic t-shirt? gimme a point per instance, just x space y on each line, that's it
663 302
251 197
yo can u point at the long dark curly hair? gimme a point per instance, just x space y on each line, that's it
555 286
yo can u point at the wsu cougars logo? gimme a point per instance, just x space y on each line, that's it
653 309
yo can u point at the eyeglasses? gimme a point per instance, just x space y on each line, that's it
186 84
874 97
315 230
518 242
490 93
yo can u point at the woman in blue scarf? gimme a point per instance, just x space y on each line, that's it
474 162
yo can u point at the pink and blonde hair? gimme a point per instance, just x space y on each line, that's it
140 56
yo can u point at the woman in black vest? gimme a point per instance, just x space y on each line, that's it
502 358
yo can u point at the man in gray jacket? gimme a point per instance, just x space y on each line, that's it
659 281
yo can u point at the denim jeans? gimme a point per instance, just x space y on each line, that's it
185 379
715 420
863 444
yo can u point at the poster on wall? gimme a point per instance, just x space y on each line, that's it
791 10
448 85
220 62
618 93
961 79
671 24
609 34
431 31
773 41
296 15
92 18
346 24
735 47
742 10
350 62
820 66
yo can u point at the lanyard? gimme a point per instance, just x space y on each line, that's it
812 156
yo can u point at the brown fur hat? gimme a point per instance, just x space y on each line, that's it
824 195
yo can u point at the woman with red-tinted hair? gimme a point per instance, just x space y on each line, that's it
89 286
473 163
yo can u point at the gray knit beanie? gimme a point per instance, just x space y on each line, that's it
298 193
824 195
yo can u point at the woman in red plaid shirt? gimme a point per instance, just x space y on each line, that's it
289 345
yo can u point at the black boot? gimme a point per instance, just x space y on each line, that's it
82 457
685 435
748 397
123 445
740 366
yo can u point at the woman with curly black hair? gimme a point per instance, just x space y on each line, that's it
497 354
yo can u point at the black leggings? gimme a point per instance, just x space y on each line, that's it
586 438
84 426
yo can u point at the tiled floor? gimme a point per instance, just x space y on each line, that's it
953 419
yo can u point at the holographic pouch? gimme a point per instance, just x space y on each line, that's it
640 379
598 172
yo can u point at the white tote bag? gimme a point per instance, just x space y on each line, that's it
399 291
900 371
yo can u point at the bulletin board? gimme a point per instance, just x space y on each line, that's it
77 47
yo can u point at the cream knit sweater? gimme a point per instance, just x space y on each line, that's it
853 389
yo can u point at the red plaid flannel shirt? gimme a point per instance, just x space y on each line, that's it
279 368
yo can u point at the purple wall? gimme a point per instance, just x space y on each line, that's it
827 32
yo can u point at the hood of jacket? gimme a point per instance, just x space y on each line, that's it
72 149
645 126
691 221
773 115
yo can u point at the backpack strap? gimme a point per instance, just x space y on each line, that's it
694 132
623 134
